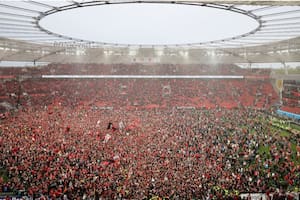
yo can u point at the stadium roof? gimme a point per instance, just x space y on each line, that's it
275 38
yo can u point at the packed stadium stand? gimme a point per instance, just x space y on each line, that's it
256 92
291 96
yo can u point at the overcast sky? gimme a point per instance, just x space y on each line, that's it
149 23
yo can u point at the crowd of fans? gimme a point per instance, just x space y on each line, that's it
291 96
142 139
226 93
177 154
143 93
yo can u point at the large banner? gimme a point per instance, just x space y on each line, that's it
262 196
288 114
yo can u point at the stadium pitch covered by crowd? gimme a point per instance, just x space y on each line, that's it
161 132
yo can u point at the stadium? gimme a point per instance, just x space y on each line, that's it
93 106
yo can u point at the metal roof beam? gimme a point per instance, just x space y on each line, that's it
263 9
32 36
24 48
283 24
16 15
281 13
17 25
281 19
245 43
285 28
2 27
271 36
286 31
18 8
29 40
23 32
75 2
16 20
49 54
256 2
22 45
42 4
260 39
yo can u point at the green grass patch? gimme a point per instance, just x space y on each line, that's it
294 147
295 126
275 129
4 175
294 153
284 133
264 149
252 131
